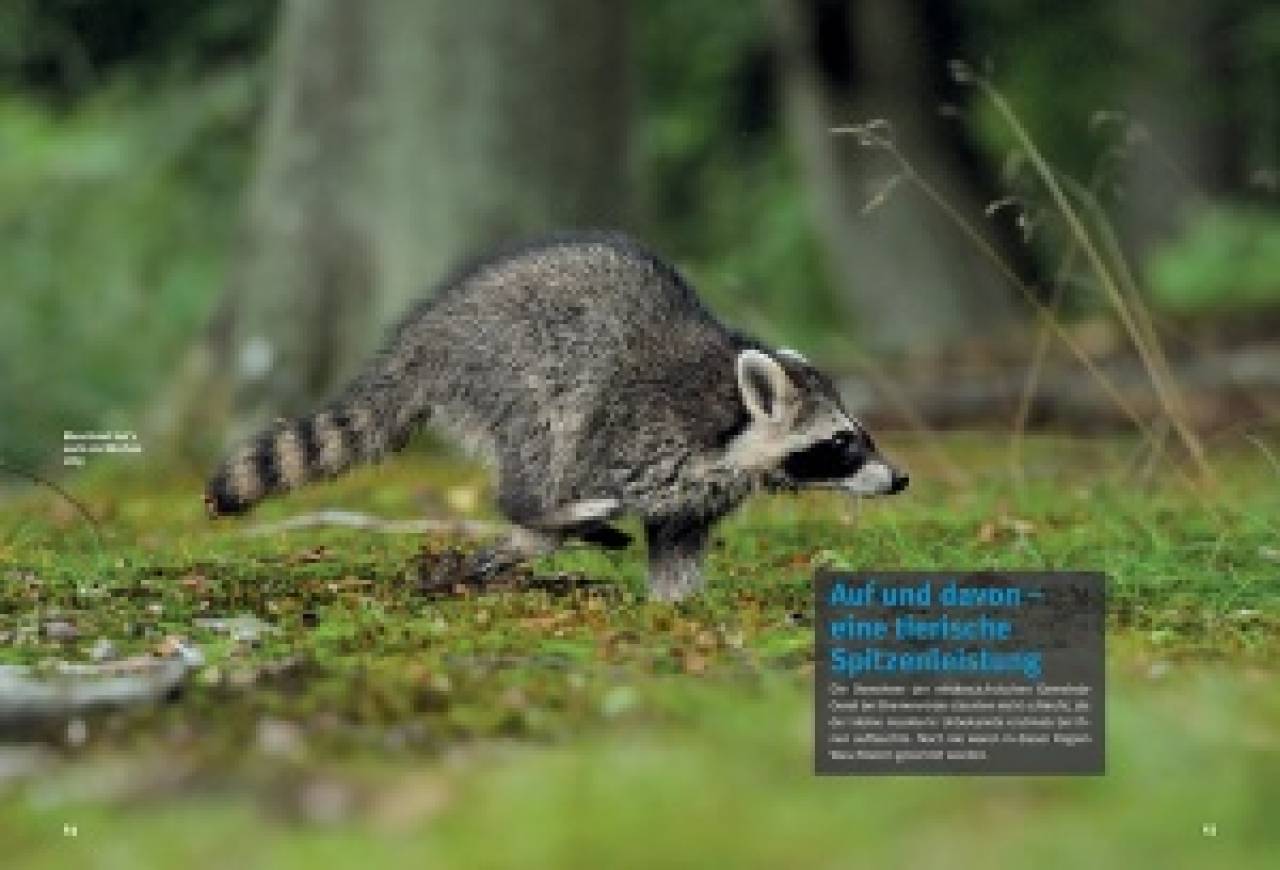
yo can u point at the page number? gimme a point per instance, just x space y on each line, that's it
1209 829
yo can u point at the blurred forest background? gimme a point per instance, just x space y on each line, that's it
209 211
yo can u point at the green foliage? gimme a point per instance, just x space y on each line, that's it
722 191
1229 258
64 51
125 131
1025 53
115 222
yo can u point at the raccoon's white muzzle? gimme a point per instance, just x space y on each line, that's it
875 477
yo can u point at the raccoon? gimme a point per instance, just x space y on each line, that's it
586 372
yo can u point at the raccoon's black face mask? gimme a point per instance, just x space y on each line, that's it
847 460
833 458
799 427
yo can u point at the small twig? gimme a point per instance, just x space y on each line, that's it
1170 396
353 520
1266 451
874 134
72 500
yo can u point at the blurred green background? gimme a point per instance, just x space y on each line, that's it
180 174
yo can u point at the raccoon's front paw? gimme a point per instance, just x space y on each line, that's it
482 566
675 582
455 572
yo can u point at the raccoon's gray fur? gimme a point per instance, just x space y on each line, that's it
589 375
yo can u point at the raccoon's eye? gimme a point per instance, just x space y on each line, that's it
847 439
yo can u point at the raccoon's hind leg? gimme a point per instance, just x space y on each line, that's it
587 520
519 502
524 543
538 531
676 547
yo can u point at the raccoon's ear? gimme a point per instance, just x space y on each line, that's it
766 390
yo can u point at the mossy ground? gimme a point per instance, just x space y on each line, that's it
568 722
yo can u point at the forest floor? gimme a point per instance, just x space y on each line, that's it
337 711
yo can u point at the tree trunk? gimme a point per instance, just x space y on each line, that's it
400 137
512 119
910 278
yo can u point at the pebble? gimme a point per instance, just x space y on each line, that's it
103 650
60 629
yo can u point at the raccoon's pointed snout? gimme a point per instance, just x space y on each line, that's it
876 477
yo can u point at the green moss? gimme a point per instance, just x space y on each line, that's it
575 717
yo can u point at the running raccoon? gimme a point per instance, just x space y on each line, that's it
590 377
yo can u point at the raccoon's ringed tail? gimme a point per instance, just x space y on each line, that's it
245 478
373 417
